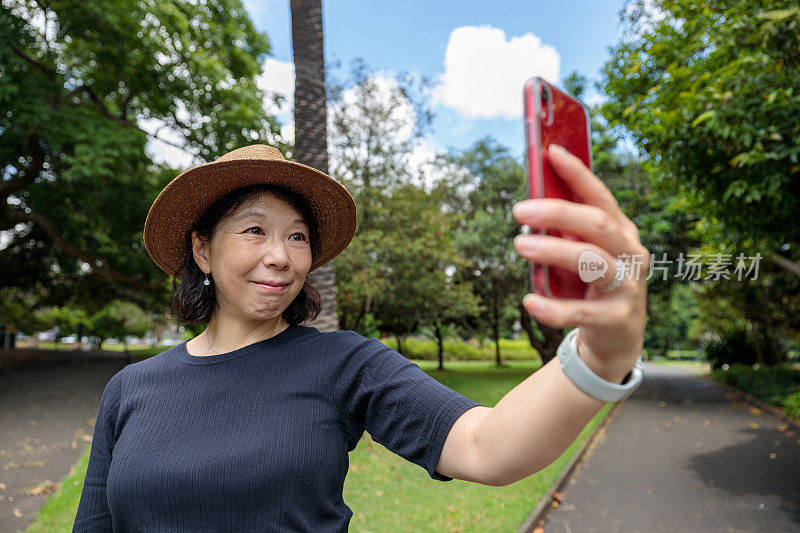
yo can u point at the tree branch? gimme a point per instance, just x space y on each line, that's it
104 110
16 216
119 118
29 173
47 69
785 264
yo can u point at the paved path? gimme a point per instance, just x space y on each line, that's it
685 454
47 411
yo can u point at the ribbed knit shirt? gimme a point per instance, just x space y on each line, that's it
256 439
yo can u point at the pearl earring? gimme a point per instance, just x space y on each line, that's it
206 282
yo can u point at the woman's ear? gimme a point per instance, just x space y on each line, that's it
200 252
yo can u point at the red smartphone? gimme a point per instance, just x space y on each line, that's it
553 117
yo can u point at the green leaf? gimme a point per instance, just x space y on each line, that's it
779 14
703 117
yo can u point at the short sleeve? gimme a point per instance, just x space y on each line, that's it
93 512
376 388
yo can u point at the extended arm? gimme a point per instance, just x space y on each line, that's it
539 418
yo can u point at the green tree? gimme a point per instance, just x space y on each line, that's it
418 260
119 319
709 91
374 130
485 238
75 97
377 123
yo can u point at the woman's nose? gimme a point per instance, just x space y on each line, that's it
275 255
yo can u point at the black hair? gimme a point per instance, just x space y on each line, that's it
194 302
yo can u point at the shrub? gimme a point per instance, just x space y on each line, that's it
734 346
775 385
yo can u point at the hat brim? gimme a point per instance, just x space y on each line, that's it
187 196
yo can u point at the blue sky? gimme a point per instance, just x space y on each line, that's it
414 36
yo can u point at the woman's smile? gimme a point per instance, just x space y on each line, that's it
272 287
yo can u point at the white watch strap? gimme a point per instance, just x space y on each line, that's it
589 382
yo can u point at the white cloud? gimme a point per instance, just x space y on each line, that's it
287 132
277 77
484 72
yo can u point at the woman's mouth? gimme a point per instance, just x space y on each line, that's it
273 286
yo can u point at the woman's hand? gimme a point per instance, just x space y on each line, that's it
612 323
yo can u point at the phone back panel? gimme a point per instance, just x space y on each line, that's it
553 117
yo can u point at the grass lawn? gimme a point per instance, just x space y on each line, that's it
388 493
695 367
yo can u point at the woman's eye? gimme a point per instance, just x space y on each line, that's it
254 227
301 235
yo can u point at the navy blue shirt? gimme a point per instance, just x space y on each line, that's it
256 439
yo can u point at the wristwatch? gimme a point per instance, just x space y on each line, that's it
589 382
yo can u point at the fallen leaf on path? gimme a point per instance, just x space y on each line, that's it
662 404
754 425
18 513
782 427
706 422
45 487
557 495
772 456
755 411
22 465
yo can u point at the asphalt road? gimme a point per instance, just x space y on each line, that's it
47 411
685 454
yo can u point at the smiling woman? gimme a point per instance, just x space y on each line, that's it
247 427
240 219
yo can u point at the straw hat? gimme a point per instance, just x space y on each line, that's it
185 198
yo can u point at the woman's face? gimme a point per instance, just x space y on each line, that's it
258 258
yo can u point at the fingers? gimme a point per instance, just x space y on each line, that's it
586 186
592 224
555 251
568 312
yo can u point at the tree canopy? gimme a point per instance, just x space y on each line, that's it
709 91
83 87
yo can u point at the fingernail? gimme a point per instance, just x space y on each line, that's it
533 302
528 242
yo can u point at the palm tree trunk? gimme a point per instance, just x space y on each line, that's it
310 126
